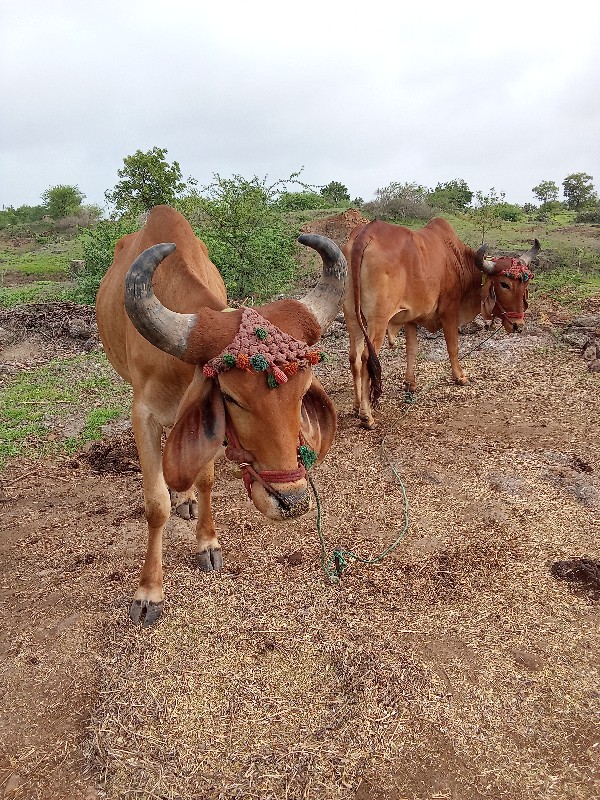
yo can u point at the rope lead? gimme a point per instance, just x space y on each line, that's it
340 558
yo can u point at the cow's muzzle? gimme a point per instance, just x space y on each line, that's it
287 502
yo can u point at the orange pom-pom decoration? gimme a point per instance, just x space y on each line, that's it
243 361
313 357
208 371
291 368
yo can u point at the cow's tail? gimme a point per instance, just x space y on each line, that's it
373 364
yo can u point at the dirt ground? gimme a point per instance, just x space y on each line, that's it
463 666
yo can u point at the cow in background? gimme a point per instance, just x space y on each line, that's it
209 372
404 278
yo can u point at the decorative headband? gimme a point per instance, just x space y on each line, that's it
260 346
517 270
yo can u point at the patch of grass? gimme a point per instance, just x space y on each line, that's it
37 292
36 405
40 255
568 287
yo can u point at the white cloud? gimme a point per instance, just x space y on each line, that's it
498 96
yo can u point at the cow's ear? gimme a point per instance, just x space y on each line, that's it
318 420
488 298
197 435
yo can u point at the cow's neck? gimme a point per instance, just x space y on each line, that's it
470 304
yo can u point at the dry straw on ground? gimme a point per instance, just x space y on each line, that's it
458 668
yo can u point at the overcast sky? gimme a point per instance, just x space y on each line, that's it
503 94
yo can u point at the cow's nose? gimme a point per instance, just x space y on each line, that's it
293 504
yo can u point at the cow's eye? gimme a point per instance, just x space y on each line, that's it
229 399
504 285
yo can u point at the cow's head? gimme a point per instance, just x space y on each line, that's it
271 413
506 287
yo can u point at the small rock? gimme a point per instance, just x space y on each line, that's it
529 660
587 321
79 329
477 325
594 366
12 784
576 339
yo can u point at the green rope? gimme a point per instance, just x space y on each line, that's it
339 560
340 557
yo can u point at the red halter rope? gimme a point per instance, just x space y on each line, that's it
235 452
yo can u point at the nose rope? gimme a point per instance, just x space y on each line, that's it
509 314
234 452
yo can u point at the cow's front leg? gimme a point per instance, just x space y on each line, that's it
451 336
412 349
148 600
185 503
209 556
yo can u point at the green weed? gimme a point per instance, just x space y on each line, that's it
37 292
37 405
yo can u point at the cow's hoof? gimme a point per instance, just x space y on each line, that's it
367 424
187 510
210 560
145 611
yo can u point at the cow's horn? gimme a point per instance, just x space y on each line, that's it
528 257
325 299
165 329
482 263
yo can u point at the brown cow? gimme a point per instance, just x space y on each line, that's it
404 278
206 371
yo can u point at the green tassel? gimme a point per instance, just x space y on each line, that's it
307 456
229 359
261 333
272 383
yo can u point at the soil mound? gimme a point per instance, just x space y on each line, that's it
337 227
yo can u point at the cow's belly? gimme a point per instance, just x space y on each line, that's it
430 321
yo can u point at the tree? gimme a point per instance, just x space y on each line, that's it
487 212
62 201
546 192
451 196
335 193
300 201
578 190
147 180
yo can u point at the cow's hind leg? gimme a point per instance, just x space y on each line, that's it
209 548
185 503
377 332
147 603
357 344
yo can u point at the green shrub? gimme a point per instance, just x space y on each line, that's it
247 237
98 251
301 201
589 215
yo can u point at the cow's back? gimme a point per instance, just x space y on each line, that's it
404 273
